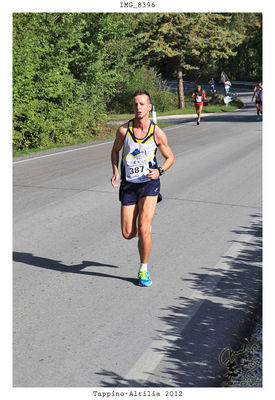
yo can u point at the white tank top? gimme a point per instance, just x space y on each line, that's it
138 155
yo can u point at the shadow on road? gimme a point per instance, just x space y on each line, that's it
236 116
233 118
47 263
220 315
224 319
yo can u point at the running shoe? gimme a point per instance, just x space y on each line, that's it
144 278
198 122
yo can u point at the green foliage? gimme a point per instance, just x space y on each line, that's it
71 69
204 43
192 38
65 67
146 79
246 64
191 41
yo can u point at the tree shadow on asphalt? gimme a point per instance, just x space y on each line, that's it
238 116
214 319
47 263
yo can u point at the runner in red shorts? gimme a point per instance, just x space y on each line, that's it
198 95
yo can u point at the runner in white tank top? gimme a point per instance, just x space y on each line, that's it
139 154
140 183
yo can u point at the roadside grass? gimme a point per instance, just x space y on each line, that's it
108 131
215 104
216 108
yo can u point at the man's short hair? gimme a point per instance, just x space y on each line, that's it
140 92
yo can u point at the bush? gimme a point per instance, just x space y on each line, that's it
165 101
51 104
215 98
148 80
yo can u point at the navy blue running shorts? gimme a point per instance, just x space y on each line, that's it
130 193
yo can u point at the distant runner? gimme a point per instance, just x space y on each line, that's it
258 94
198 95
259 85
212 85
140 184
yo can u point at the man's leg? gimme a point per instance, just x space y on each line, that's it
146 209
198 109
199 112
129 221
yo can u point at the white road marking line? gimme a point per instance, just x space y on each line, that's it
151 358
62 152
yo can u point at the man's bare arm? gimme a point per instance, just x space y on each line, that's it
118 143
165 149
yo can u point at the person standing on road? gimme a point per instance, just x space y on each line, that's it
139 190
198 95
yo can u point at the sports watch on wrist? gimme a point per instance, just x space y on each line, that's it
161 170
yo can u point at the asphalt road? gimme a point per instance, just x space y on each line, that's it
81 320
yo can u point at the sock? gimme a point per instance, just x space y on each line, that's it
143 267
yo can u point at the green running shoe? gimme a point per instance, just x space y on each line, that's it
144 278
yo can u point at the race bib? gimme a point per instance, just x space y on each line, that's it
198 99
136 168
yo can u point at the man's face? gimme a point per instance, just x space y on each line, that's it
142 106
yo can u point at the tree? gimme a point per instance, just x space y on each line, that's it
246 64
190 40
